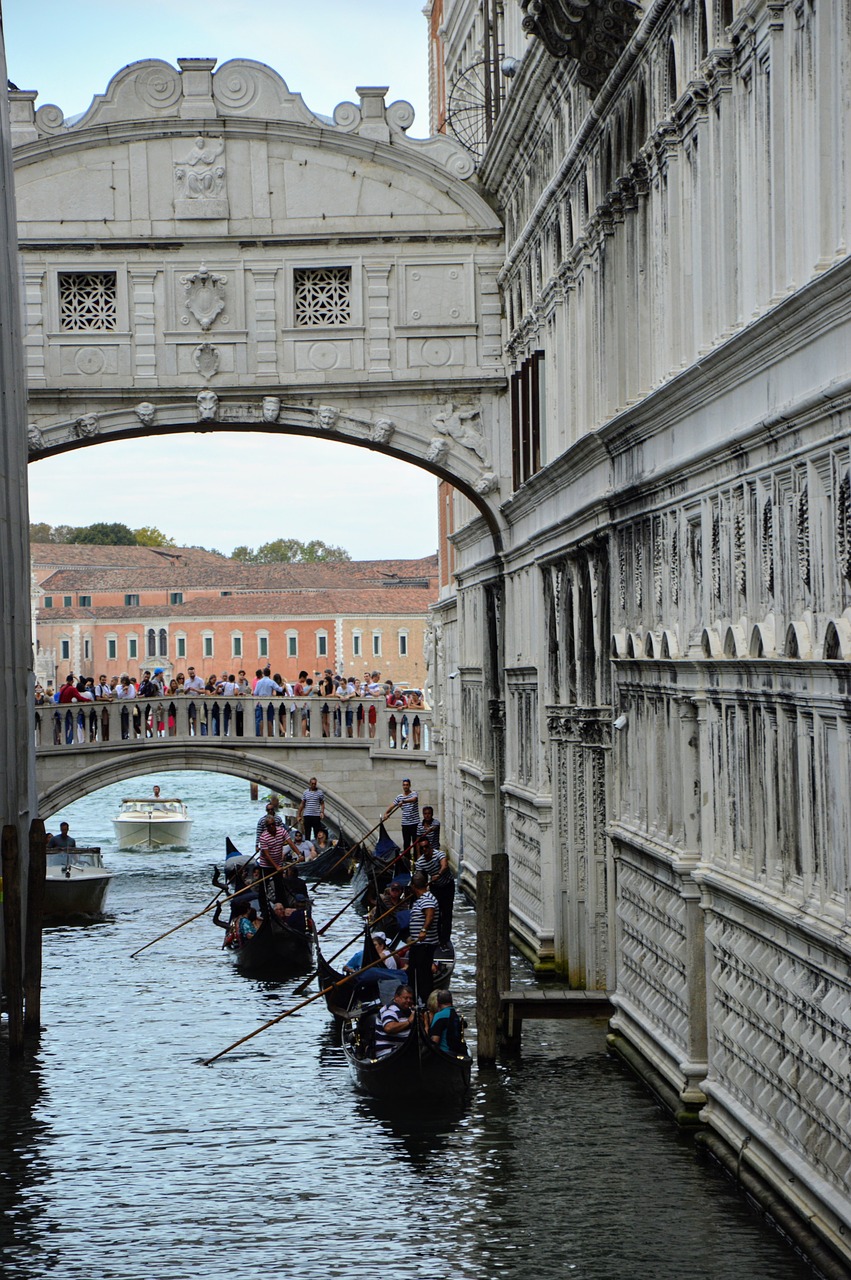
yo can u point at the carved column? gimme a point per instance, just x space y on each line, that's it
378 316
143 303
265 323
35 348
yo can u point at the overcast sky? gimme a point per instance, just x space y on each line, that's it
255 488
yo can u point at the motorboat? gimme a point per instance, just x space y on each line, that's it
152 823
76 883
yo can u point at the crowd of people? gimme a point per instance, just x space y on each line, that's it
344 706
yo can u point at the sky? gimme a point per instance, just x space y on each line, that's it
350 497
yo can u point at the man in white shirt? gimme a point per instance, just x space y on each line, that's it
265 687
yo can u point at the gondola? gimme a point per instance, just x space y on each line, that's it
346 994
414 1071
276 951
331 865
375 870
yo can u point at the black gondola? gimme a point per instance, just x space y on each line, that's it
375 870
276 951
415 1070
333 865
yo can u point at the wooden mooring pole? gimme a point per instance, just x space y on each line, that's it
493 956
35 914
12 937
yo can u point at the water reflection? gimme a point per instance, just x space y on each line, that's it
125 1159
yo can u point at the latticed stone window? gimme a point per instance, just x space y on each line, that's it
87 300
323 295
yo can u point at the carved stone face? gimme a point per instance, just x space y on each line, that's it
327 417
208 405
35 439
145 412
271 408
381 431
87 425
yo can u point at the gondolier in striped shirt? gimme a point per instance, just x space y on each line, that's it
409 802
425 916
435 865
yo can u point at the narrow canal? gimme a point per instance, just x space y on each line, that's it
123 1158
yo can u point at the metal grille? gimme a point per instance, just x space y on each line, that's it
323 296
87 300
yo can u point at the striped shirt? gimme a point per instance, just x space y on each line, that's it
384 1041
410 805
418 912
432 831
272 848
313 802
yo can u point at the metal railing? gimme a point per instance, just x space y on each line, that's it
298 721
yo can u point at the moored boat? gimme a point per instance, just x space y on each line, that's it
76 883
414 1070
152 823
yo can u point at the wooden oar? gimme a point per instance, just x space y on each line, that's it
301 1005
353 900
348 853
302 986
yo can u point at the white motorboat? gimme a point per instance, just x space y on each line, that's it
152 824
75 884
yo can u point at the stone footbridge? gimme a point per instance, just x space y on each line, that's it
359 750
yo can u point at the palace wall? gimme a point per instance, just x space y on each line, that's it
675 612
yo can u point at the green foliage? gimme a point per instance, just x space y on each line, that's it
150 536
290 551
41 532
104 535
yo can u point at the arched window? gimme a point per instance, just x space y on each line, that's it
641 116
702 38
163 638
151 643
671 86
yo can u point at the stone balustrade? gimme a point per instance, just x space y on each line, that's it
359 722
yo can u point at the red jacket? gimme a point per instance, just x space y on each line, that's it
68 693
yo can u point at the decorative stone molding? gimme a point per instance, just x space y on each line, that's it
199 181
326 417
593 32
205 295
208 406
437 450
35 439
488 483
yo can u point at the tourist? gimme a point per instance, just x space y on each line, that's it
265 687
446 1029
408 802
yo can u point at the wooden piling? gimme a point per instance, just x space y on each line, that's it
12 937
255 790
493 958
35 915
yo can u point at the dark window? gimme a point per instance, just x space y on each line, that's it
176 597
151 645
85 602
67 601
131 599
527 385
163 639
48 602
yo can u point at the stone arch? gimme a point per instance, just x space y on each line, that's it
634 645
434 446
119 767
671 79
710 644
837 641
650 645
670 647
797 642
701 34
734 642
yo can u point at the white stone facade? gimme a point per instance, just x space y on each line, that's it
672 613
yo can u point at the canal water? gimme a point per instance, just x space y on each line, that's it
122 1157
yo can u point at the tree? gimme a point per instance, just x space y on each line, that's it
150 536
41 532
104 535
290 551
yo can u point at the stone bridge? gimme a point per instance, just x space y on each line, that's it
277 743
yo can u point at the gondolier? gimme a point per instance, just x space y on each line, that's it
312 808
409 802
425 915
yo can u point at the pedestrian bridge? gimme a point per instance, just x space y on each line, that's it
359 750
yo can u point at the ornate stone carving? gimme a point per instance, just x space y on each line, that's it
205 295
739 547
843 525
200 181
206 360
768 546
208 406
271 408
437 450
145 412
802 521
381 431
35 439
487 483
85 427
460 425
326 417
593 32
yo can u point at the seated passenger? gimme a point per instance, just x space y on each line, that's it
395 1022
